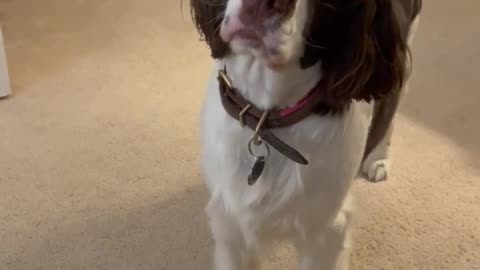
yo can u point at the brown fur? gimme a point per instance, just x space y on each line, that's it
360 45
386 108
208 16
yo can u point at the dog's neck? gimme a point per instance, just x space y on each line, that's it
267 88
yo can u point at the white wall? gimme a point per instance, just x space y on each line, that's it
5 89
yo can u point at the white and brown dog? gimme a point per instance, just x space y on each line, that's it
302 97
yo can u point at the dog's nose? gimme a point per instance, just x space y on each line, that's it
257 11
251 19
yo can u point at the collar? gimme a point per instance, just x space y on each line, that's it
262 121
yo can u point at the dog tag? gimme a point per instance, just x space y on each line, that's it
257 170
260 160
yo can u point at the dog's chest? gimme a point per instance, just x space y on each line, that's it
333 146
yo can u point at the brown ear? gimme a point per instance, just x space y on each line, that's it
208 16
361 47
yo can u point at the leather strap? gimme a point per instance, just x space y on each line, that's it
249 115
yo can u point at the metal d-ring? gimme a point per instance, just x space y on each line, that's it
250 150
223 75
257 140
242 113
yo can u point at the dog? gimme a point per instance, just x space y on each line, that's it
301 99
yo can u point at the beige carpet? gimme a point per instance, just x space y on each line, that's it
99 159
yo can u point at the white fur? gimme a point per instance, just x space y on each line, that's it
302 204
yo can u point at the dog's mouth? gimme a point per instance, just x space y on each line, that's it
262 37
247 37
264 44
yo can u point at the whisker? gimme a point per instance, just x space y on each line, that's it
311 44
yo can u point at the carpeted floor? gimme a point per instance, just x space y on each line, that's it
99 158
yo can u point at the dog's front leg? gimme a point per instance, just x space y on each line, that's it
231 251
329 249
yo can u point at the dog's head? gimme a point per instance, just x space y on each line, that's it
359 42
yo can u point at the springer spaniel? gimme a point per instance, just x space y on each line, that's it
302 98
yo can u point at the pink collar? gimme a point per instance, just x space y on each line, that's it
311 97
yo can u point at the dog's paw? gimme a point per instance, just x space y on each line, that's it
377 170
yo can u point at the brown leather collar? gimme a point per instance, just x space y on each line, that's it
261 122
